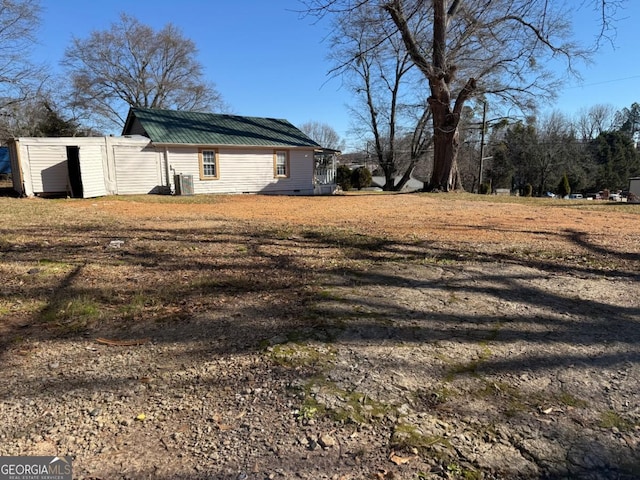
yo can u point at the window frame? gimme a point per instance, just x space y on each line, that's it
287 165
216 163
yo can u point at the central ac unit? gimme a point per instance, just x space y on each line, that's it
184 184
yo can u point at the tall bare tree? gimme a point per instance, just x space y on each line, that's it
391 112
499 48
19 77
132 65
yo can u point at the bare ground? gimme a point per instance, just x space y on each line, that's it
405 336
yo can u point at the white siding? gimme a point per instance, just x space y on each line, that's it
92 171
138 171
48 164
634 187
123 165
246 170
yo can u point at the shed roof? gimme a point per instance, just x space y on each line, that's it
198 128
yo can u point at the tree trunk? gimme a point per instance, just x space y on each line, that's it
440 74
445 176
389 180
406 177
446 139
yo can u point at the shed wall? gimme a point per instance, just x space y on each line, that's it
137 171
48 165
43 165
17 174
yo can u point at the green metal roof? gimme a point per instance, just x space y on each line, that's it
197 128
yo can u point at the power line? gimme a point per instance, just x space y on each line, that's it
604 82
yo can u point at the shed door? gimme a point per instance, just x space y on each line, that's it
75 174
92 171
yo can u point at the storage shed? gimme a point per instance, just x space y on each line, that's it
84 167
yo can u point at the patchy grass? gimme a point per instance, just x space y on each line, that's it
612 419
301 355
71 315
565 398
229 271
471 367
410 438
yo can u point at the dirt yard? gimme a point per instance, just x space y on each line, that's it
348 337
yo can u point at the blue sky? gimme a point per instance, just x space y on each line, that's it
267 61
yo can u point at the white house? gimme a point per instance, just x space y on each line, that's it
165 151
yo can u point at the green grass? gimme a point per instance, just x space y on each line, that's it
407 436
611 419
135 305
71 315
571 401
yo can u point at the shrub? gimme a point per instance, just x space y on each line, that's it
564 189
528 190
485 189
343 177
361 178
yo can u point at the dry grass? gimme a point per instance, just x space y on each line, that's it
183 255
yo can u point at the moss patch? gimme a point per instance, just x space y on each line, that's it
324 397
293 354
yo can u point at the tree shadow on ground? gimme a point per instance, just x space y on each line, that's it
226 290
182 273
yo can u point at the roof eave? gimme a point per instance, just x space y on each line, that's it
233 145
330 151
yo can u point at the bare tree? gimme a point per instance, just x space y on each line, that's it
37 116
540 152
390 113
323 134
19 78
501 48
132 65
595 120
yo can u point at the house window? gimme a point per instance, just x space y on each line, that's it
208 164
281 163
